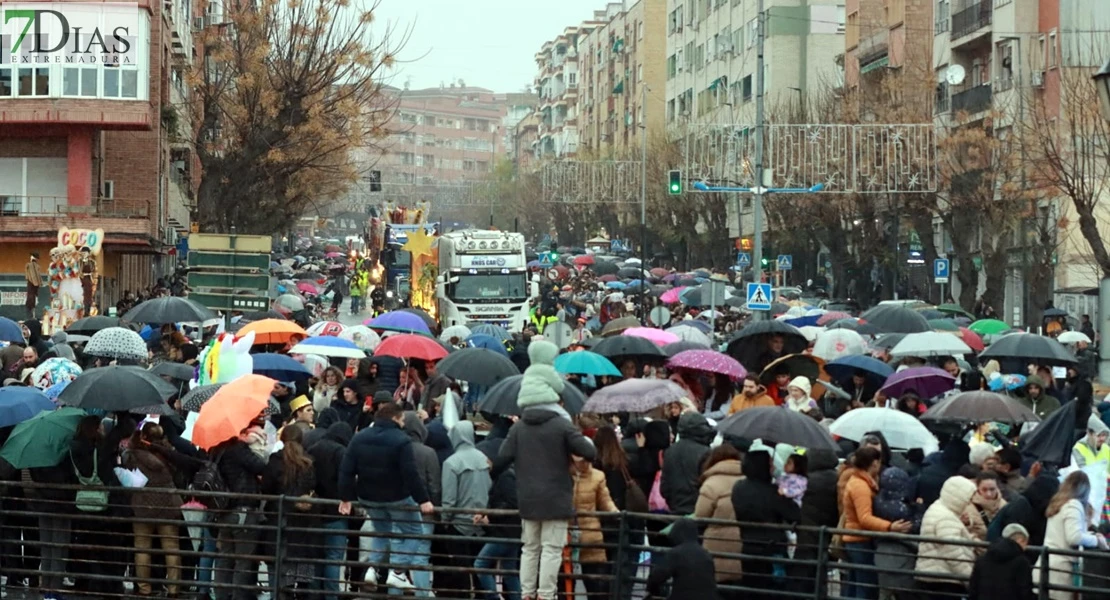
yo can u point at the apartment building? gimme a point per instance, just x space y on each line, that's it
518 107
98 143
557 78
889 34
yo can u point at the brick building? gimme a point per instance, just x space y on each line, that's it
96 146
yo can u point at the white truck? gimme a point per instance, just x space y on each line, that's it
483 277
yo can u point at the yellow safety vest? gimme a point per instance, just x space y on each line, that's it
1089 457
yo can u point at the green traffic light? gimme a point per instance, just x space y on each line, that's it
675 178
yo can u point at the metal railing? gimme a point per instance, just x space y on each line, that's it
970 19
274 548
972 100
59 206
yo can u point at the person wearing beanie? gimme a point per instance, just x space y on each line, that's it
797 395
542 445
1004 572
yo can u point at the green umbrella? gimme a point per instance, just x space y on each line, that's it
943 325
955 309
42 441
989 327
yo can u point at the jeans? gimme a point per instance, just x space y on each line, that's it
144 541
541 557
401 520
356 303
508 556
55 531
206 562
335 552
861 584
423 579
234 567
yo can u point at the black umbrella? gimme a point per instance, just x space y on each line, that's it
501 398
1053 440
858 326
1054 312
177 371
602 267
682 346
261 315
888 340
477 365
1020 349
116 388
91 325
631 272
779 425
169 309
750 343
891 318
627 346
980 407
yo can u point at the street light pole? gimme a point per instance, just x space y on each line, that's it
757 200
643 200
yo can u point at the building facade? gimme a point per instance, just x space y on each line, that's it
91 145
557 80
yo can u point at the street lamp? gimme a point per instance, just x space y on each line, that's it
1102 84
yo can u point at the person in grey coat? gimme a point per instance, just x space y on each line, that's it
541 445
466 486
428 469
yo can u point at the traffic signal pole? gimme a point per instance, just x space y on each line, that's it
757 200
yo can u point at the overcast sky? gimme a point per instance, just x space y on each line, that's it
487 43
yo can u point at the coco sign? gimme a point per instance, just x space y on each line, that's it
81 238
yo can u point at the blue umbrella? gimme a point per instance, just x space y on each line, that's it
842 369
18 404
533 264
10 331
494 331
404 322
808 321
585 363
616 285
637 284
279 367
488 342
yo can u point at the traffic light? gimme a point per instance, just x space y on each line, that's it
765 262
675 186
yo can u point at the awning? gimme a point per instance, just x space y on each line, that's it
875 64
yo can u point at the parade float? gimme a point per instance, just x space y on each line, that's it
73 273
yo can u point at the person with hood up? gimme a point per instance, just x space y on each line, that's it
933 477
1028 510
542 444
34 337
897 501
721 472
797 396
687 565
242 462
1004 572
326 447
943 520
1093 448
351 407
752 395
466 486
1035 398
757 498
682 463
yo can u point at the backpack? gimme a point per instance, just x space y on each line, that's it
209 479
90 500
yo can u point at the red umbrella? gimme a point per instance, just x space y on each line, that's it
972 339
408 345
607 278
307 287
585 259
659 272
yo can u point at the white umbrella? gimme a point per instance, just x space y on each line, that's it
455 331
901 430
832 344
1073 337
365 338
930 343
689 333
331 347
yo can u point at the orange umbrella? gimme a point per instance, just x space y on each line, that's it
272 331
231 409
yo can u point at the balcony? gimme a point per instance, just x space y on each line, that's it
58 206
973 100
971 19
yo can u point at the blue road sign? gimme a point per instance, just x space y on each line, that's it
941 270
759 296
545 260
786 262
743 260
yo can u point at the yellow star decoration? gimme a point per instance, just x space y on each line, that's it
419 243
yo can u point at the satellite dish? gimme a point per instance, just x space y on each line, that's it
955 75
659 316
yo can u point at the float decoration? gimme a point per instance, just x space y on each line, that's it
73 275
225 359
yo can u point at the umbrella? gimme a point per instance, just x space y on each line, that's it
901 430
307 287
169 309
585 363
279 367
874 369
857 326
91 325
196 397
655 336
42 440
117 343
478 340
328 346
626 345
672 295
404 322
888 340
54 370
428 319
17 404
494 331
409 345
10 331
690 333
104 388
972 339
944 325
605 268
477 365
500 399
832 317
618 325
634 396
362 336
955 309
289 302
1073 337
273 331
176 371
775 424
1052 441
455 331
750 343
832 344
708 361
896 319
989 327
926 382
231 409
332 328
1028 348
980 407
1054 312
930 343
675 348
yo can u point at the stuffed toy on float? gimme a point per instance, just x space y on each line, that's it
225 359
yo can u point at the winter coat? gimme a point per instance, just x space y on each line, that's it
935 476
1066 530
591 494
682 463
819 505
541 384
741 402
466 480
540 444
859 496
241 468
1043 406
327 454
50 500
352 414
379 466
502 496
81 454
160 475
438 440
757 499
715 502
1003 573
427 462
942 520
324 396
644 463
686 564
1028 509
896 501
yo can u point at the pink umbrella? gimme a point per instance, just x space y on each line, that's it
333 255
671 296
832 317
708 361
656 336
583 260
307 287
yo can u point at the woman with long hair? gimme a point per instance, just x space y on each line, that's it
327 390
148 453
613 462
720 472
1070 517
292 474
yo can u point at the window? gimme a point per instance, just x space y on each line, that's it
942 21
1052 50
840 19
640 30
430 161
753 32
34 81
572 80
670 110
746 88
1042 56
671 71
699 57
726 40
80 82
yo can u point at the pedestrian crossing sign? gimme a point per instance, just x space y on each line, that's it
759 296
545 260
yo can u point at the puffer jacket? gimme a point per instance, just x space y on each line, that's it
541 384
159 473
859 495
715 502
942 520
682 463
591 494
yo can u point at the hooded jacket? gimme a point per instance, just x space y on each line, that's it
1003 573
466 480
686 564
756 499
819 505
1082 450
682 463
541 383
541 444
352 414
715 502
935 476
1044 405
1028 509
327 452
427 462
942 521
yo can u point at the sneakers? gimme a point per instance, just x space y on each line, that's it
371 576
399 580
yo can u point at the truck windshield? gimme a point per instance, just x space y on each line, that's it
490 287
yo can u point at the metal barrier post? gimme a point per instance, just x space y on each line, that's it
1042 585
820 590
616 587
275 578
